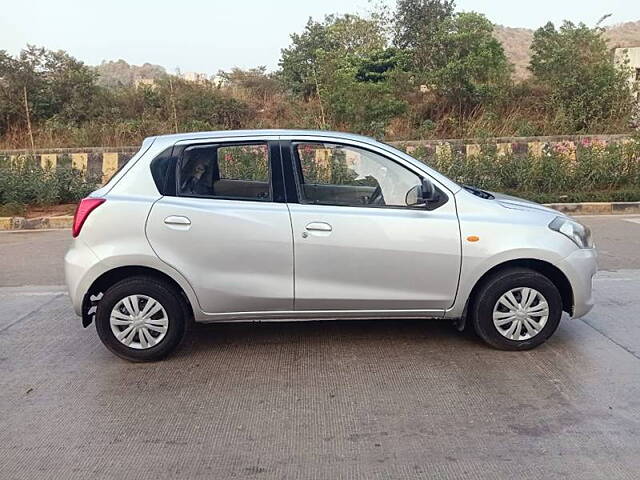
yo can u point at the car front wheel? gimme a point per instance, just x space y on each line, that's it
516 309
140 319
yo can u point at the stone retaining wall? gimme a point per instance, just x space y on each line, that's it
102 162
96 162
533 146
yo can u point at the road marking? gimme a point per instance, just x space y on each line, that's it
632 220
624 275
33 291
32 294
33 230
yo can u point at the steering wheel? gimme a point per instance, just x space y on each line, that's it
376 197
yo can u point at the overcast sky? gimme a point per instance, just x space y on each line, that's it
206 36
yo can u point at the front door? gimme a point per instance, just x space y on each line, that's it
224 231
358 245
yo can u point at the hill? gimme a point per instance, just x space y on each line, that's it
516 42
119 72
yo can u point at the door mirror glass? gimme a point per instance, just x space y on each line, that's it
414 196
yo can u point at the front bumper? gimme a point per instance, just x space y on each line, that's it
580 267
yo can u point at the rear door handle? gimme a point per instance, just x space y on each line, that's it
318 227
177 220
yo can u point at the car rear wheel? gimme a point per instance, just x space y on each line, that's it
516 309
140 319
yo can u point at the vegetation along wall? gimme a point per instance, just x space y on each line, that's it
545 169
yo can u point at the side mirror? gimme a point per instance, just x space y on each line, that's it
422 194
429 192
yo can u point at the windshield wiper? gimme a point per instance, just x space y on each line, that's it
478 193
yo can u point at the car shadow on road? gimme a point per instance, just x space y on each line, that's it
371 333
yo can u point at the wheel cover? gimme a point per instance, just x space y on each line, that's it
521 313
139 322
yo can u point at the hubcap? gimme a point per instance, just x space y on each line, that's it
521 313
139 321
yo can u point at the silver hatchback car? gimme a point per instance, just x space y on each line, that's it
297 225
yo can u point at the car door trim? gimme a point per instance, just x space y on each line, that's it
310 315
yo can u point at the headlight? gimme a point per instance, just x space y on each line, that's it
577 232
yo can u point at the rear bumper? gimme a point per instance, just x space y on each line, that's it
580 267
78 261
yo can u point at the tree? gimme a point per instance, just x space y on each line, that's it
11 82
454 54
418 28
574 64
377 66
360 92
57 85
473 68
334 38
363 107
71 87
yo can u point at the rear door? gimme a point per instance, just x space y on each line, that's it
226 228
358 245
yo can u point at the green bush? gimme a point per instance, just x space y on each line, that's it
631 195
592 171
24 182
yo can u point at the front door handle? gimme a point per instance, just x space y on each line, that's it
177 220
318 227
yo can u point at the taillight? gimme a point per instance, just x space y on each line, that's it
85 207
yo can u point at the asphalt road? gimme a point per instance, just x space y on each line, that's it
384 399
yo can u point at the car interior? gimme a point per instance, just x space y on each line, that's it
214 171
337 175
327 174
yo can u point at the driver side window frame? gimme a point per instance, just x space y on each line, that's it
299 177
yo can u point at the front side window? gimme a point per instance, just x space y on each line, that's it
343 175
226 171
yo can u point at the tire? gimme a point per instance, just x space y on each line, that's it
163 330
492 304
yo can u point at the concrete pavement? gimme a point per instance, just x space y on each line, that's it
383 399
33 257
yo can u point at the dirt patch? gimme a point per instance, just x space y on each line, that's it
50 210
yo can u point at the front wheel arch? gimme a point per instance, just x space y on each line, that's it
553 273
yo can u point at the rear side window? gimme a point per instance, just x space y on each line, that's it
229 171
162 168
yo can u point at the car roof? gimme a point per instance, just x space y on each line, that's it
175 137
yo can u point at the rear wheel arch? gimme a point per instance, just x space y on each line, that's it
113 276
